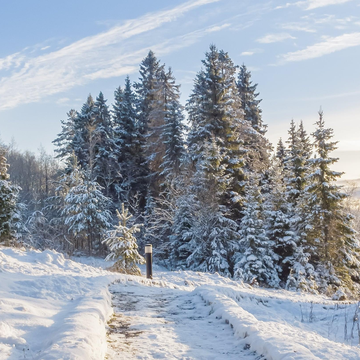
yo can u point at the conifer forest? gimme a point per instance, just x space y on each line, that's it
201 183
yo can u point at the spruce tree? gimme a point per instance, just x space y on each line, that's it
255 260
64 141
85 210
83 140
257 146
172 131
279 227
123 247
249 101
8 202
128 143
215 112
281 152
145 89
103 163
331 236
214 235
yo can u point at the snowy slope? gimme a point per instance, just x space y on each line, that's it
51 308
55 308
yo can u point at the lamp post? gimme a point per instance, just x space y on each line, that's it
148 258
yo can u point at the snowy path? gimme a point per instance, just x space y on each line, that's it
162 323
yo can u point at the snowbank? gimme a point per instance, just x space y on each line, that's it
54 308
51 307
277 340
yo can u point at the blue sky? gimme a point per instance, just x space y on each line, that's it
303 54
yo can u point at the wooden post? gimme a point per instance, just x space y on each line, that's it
148 258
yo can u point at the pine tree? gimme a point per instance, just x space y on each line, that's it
296 170
249 101
103 168
64 141
8 202
279 227
172 131
257 146
85 210
145 89
214 235
123 245
296 163
215 112
255 260
281 152
182 229
331 236
83 141
128 143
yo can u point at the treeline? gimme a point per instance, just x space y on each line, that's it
211 193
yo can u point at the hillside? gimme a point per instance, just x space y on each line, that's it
55 308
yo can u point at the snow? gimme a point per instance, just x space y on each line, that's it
52 307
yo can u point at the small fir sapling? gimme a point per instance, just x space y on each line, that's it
123 245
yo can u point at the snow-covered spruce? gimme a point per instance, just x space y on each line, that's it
8 202
123 245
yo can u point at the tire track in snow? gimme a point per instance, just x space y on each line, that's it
161 323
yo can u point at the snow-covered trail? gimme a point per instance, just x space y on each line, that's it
163 323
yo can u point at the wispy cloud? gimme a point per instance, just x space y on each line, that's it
330 45
251 52
272 38
247 53
12 61
218 27
313 4
94 57
297 27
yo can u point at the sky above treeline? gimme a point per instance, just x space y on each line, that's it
303 54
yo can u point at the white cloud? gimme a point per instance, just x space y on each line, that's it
11 61
94 57
297 27
330 45
272 38
313 4
247 53
218 27
251 52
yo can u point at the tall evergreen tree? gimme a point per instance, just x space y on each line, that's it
103 162
215 233
215 112
146 88
331 237
128 143
83 140
64 141
296 163
249 101
255 260
172 131
258 147
8 200
281 152
85 210
279 226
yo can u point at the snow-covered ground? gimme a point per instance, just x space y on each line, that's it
56 308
